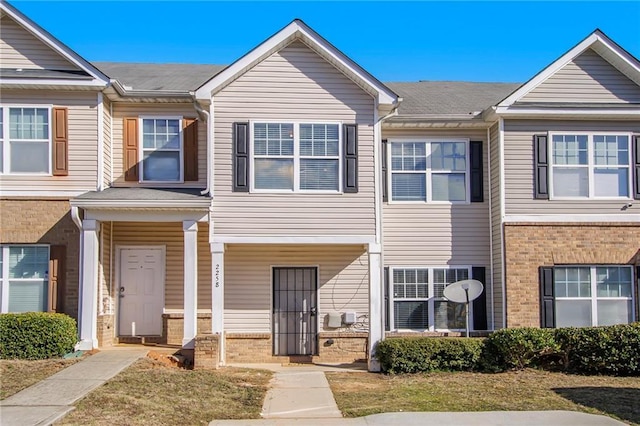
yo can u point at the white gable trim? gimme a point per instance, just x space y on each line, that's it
55 44
596 38
296 29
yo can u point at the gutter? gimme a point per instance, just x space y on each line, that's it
110 204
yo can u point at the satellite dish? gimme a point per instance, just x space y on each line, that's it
463 291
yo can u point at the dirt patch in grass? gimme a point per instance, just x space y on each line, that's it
150 392
20 374
360 394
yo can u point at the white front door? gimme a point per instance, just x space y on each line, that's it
141 291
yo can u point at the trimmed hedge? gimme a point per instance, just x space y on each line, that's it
611 350
36 335
413 355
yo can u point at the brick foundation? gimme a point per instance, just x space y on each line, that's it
173 327
45 222
531 245
106 330
206 353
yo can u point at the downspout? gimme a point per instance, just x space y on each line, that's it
100 113
205 114
111 143
502 217
493 311
377 164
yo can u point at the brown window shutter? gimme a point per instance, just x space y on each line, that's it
130 155
60 151
56 278
190 144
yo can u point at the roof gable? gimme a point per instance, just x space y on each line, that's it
298 30
595 51
33 48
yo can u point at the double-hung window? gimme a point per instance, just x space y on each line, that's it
430 171
24 278
593 295
297 157
418 302
161 149
25 140
590 165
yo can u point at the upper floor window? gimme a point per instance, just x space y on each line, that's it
590 165
296 156
161 150
25 140
430 171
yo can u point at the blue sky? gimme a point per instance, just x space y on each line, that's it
395 41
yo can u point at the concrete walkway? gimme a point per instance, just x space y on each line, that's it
53 398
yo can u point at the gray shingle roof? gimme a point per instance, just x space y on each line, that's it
449 97
178 77
145 194
37 73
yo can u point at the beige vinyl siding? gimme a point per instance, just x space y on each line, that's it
431 234
106 129
171 236
294 84
518 153
105 295
122 110
496 225
83 141
588 78
343 281
21 49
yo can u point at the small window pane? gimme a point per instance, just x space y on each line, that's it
274 173
27 296
612 312
29 157
411 315
448 156
572 282
449 187
611 150
570 149
408 156
573 313
408 187
611 182
161 166
613 282
449 315
28 262
319 174
571 182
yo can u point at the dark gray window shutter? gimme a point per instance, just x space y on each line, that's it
240 157
350 154
477 187
547 299
480 304
386 299
385 190
636 167
541 166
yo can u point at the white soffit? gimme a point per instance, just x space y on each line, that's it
298 30
602 45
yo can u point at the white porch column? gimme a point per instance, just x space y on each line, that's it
376 318
217 296
88 300
190 228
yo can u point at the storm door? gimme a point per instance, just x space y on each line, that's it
295 324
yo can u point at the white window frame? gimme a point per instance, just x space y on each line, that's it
428 172
590 166
6 140
594 298
431 299
4 281
141 148
296 158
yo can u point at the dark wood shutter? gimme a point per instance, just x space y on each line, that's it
477 180
190 145
350 154
387 308
56 279
130 149
547 298
636 167
60 151
241 157
541 167
480 304
385 190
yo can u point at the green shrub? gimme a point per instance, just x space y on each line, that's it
520 348
612 350
422 354
36 335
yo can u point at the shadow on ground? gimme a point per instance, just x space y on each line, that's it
619 402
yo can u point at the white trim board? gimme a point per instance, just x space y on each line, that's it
569 219
295 239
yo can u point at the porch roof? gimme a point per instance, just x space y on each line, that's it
162 198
